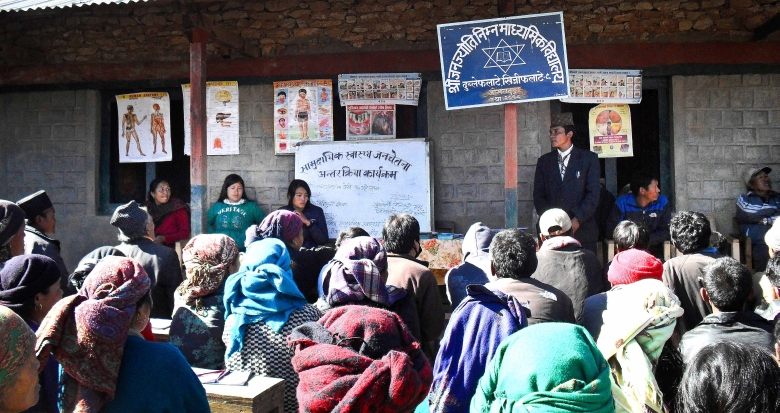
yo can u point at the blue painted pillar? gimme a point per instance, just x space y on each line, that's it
510 165
198 165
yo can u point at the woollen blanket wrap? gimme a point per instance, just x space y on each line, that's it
638 320
355 273
359 359
476 328
86 332
262 290
546 368
207 258
17 341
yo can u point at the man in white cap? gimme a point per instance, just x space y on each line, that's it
757 210
41 225
564 263
568 178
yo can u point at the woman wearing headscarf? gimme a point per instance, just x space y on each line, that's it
262 307
18 364
30 286
108 366
199 313
11 231
358 275
359 359
306 263
546 368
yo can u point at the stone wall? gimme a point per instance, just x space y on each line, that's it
722 126
111 33
50 142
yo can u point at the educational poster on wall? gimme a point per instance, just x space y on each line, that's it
370 122
604 86
303 112
221 118
361 183
144 125
610 130
507 60
372 88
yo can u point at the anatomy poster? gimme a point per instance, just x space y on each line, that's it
144 127
373 88
221 118
370 122
604 86
303 111
610 130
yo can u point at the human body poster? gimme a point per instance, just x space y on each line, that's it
370 122
508 60
610 130
144 127
373 88
604 86
221 118
303 111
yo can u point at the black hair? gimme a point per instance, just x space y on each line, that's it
400 233
669 371
282 93
294 185
720 242
129 107
513 254
349 233
773 271
630 234
303 90
570 128
728 283
729 377
777 332
229 181
690 231
153 187
640 179
145 299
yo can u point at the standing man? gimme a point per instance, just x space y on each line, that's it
568 178
41 223
757 210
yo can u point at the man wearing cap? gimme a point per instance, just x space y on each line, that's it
564 263
11 231
568 178
41 223
757 210
136 232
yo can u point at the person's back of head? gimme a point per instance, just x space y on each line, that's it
720 242
476 242
400 233
554 222
773 271
349 233
513 254
730 377
690 231
639 180
630 234
728 284
133 222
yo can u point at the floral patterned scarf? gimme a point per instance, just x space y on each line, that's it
16 346
207 258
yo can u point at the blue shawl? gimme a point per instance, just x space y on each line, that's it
262 290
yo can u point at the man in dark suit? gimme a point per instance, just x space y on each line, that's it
568 178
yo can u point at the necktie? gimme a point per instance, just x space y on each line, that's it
562 163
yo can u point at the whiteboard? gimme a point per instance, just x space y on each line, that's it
361 183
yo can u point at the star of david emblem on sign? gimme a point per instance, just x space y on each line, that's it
503 56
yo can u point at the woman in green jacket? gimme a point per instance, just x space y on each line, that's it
233 212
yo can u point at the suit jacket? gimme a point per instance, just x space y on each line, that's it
577 193
162 265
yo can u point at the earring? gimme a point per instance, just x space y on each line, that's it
38 307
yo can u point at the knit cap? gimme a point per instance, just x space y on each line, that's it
633 265
11 219
130 217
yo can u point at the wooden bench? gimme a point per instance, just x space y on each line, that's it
260 395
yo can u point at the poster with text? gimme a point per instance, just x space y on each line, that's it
373 88
144 127
370 122
221 118
610 130
604 86
303 111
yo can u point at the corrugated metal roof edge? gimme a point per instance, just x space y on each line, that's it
55 4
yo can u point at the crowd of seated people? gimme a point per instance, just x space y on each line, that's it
537 323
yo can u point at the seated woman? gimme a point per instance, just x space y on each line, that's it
199 313
18 365
305 263
30 286
233 212
171 216
108 366
262 307
315 229
546 367
359 359
358 275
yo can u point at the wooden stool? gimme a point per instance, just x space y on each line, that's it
260 395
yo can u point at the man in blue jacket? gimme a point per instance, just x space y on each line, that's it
644 204
757 210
